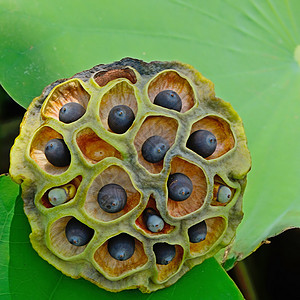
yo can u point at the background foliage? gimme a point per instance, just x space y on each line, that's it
247 48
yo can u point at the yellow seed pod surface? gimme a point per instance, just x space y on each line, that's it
99 157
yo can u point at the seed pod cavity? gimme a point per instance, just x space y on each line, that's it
114 176
222 193
37 151
214 229
120 94
151 209
117 268
102 78
161 126
170 80
60 242
199 188
168 266
68 189
66 92
93 148
222 132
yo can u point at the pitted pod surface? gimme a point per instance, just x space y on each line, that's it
131 172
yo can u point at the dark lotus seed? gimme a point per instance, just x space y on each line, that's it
112 198
57 153
154 149
164 253
153 221
120 118
121 247
71 112
168 99
224 194
149 211
180 187
198 232
77 233
202 142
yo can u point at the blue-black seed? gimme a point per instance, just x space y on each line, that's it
164 253
112 198
71 112
202 142
180 187
57 153
120 118
197 232
121 247
168 99
77 233
154 149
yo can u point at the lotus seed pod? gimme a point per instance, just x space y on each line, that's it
119 249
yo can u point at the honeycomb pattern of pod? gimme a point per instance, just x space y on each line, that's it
132 173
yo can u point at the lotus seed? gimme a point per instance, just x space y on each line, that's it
153 221
164 253
121 247
77 233
180 187
120 118
154 149
61 194
71 112
224 194
198 232
112 198
168 99
202 142
57 153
